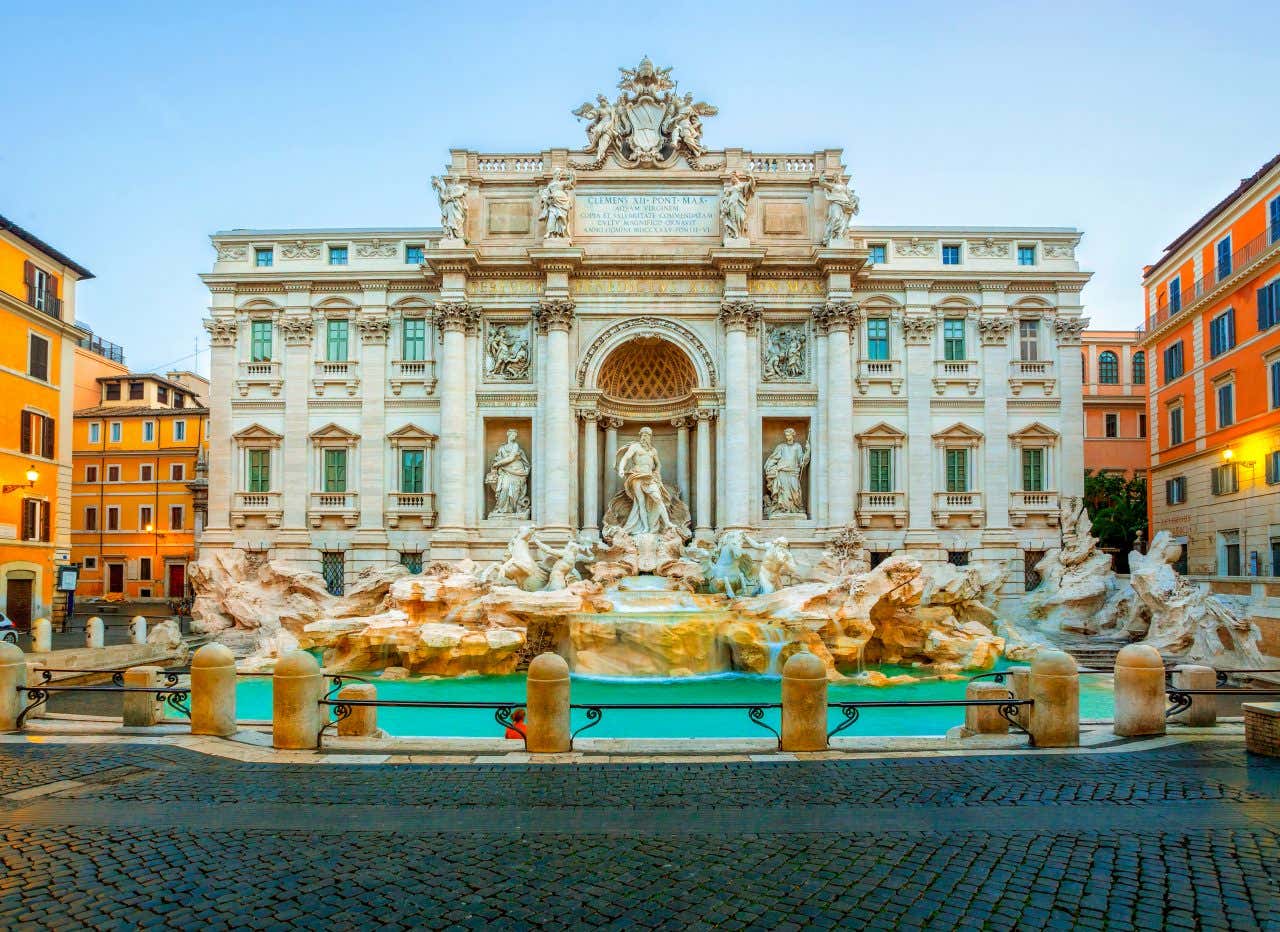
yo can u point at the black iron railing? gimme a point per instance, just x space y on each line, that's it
343 708
1224 676
117 676
175 698
1181 699
755 712
1007 708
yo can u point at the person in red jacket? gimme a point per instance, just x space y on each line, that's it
516 728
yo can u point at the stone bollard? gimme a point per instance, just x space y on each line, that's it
213 691
985 719
804 703
1019 680
297 686
547 699
363 720
138 630
142 708
93 632
1204 709
13 675
1139 689
41 636
1053 684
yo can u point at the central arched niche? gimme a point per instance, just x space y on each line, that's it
649 370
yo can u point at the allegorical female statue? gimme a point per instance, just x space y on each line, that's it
556 203
508 476
738 188
842 207
640 470
453 206
782 474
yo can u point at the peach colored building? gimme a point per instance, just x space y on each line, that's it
1115 402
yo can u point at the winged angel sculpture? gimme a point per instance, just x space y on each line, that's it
648 125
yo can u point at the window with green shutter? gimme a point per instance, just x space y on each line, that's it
953 339
260 341
259 470
1033 470
335 470
415 339
411 470
957 470
880 470
336 344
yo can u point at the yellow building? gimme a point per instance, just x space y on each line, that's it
137 452
37 345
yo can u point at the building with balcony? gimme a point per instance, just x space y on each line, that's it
1213 367
1114 368
138 451
368 384
38 338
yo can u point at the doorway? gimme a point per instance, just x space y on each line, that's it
177 580
18 601
115 577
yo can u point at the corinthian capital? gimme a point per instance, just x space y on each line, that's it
222 331
1069 330
918 330
373 328
554 314
838 315
738 314
296 328
455 315
995 331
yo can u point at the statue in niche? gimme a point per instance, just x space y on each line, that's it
506 354
508 476
640 470
777 567
782 472
556 203
738 188
784 354
842 207
452 194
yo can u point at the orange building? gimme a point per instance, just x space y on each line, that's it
1213 351
37 343
137 451
1114 390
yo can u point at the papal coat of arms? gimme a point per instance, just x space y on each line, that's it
649 124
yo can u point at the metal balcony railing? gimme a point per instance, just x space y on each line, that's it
1241 259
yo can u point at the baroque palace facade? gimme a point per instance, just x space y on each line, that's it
410 394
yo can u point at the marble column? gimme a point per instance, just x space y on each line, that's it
297 478
591 474
920 484
611 427
840 318
555 318
703 525
737 316
681 425
223 478
1068 331
453 318
993 333
374 329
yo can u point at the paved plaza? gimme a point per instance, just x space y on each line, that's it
1184 835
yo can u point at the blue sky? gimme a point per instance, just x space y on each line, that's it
137 129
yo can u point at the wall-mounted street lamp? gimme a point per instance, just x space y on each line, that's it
1229 455
32 475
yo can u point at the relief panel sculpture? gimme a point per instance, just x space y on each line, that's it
786 353
506 352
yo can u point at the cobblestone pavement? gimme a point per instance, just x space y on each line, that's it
1181 837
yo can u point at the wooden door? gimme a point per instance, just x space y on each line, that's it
177 580
18 603
115 577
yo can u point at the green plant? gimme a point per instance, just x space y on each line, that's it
1118 506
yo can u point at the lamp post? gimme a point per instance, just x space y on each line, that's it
32 475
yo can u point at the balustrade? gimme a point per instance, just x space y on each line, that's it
267 505
267 373
413 372
1031 372
948 505
964 372
344 505
882 504
420 505
886 371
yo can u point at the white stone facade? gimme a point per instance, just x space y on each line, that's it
646 312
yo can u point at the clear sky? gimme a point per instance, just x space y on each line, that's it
133 130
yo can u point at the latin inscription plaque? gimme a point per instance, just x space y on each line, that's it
647 215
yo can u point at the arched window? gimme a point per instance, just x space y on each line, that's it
1084 367
1139 368
1108 368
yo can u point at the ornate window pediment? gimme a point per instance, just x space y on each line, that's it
334 435
257 435
882 435
411 435
958 435
1033 433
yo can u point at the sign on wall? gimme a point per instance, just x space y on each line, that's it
647 215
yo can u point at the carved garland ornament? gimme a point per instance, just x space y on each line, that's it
231 253
988 248
914 248
221 332
377 248
300 249
1059 251
649 326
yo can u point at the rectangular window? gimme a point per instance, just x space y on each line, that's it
145 472
91 518
177 472
337 255
176 518
260 333
336 332
414 339
1173 362
333 569
1175 426
1111 425
179 401
146 518
1273 470
264 257
1175 294
91 563
1230 553
179 431
91 474
1273 369
414 255
259 470
1269 305
335 470
1142 425
136 391
144 568
411 470
1273 220
878 338
148 431
113 473
1226 394
1175 490
1026 255
1222 332
95 432
411 560
42 289
880 469
953 338
113 517
1029 340
162 395
1224 257
112 391
951 254
35 519
877 253
38 357
1033 470
957 470
1224 479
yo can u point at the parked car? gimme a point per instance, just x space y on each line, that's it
8 630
